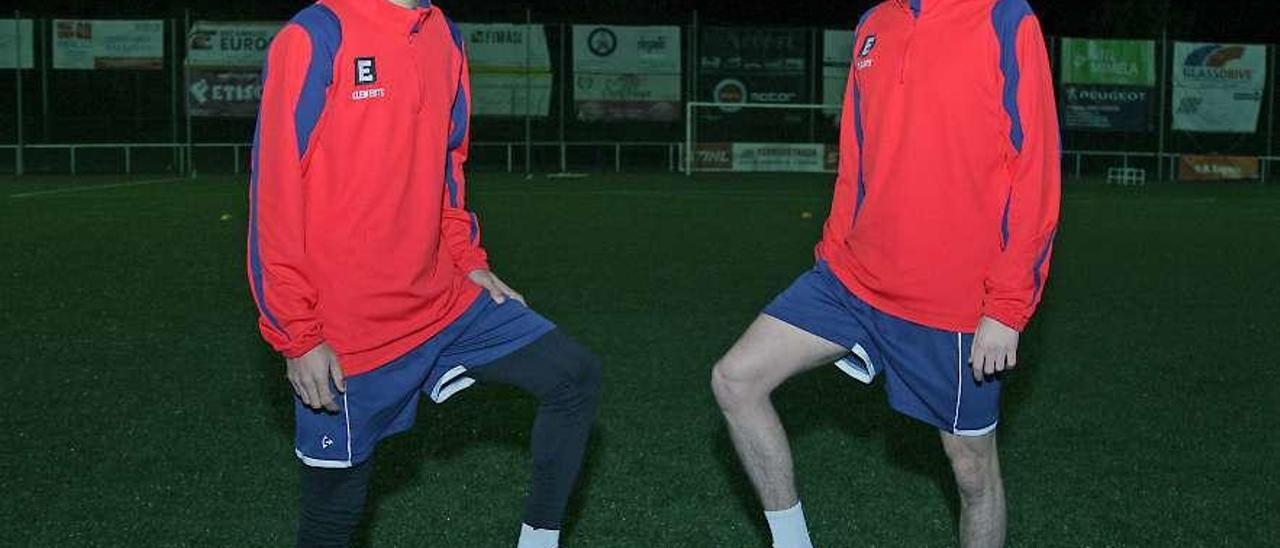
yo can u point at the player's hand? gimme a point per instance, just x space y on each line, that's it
995 349
311 376
499 291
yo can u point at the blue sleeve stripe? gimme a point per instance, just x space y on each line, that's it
857 112
1007 18
1004 222
255 250
455 141
916 7
459 122
1040 260
857 131
456 33
449 181
475 228
322 25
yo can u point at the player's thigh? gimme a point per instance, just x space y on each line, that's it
770 352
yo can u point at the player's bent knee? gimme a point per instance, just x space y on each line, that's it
582 377
731 389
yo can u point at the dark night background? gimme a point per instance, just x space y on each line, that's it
1238 20
139 105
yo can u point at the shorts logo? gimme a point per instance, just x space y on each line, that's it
366 71
326 442
867 46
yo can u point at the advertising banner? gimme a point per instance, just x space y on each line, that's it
1218 168
223 93
763 157
214 44
1218 87
510 69
1107 108
1109 62
756 65
16 39
97 45
626 73
837 57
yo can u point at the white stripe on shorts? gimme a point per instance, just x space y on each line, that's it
955 424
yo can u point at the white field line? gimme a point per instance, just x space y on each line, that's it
86 188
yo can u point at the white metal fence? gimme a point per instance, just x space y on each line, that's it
509 154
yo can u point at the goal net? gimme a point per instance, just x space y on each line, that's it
761 137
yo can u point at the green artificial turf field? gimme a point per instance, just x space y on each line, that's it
140 407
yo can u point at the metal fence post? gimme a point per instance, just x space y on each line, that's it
18 167
814 79
1165 89
190 164
689 120
688 139
564 100
1271 118
173 83
46 39
528 91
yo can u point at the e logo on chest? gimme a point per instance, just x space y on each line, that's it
366 71
868 46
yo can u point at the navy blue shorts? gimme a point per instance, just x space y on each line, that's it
927 371
384 402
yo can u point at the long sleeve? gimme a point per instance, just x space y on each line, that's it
461 227
1015 283
277 260
850 187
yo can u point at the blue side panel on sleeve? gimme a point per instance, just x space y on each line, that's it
460 120
1007 18
255 248
1040 260
857 130
325 30
1004 221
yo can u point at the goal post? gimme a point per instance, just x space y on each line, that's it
761 138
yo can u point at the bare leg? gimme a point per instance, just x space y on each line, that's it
976 464
769 353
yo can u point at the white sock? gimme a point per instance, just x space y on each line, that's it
538 538
788 528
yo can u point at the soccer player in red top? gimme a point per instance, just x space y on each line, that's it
367 267
935 254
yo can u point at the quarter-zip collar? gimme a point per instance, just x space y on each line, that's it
919 8
392 16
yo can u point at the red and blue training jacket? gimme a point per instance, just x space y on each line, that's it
358 232
947 197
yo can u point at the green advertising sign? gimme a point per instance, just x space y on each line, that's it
1109 62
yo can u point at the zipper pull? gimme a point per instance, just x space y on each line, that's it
417 27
